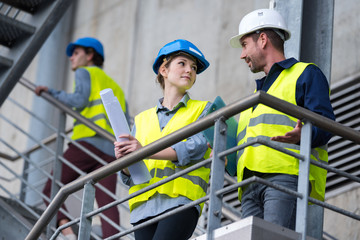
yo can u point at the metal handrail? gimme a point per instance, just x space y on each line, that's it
103 133
228 111
75 115
31 86
34 148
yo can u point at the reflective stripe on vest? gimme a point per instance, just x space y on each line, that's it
264 122
161 173
95 110
192 185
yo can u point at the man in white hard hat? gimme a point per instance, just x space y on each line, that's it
262 34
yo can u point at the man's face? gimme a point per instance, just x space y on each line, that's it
79 58
252 54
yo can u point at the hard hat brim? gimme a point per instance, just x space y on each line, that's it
202 63
70 49
235 41
181 45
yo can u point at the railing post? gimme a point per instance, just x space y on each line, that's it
57 167
87 206
303 180
217 177
25 176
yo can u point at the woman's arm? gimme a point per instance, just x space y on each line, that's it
125 147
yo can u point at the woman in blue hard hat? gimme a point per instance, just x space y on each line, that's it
176 66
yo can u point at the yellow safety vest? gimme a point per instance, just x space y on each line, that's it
265 122
192 185
95 110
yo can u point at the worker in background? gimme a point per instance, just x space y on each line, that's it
176 67
86 58
262 34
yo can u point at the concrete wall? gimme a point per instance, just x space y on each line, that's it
133 31
345 55
339 226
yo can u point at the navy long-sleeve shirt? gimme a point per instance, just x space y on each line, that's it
312 93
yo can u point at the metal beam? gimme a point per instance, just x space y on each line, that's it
317 34
311 26
23 54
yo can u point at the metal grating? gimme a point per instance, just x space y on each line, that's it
12 30
231 211
5 63
22 34
344 155
30 6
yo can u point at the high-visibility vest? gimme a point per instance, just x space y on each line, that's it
265 122
192 185
95 110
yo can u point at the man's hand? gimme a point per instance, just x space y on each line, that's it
39 89
292 136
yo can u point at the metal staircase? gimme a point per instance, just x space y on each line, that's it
24 27
13 214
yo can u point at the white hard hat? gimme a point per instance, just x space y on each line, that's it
260 19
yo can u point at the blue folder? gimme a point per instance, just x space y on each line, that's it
231 135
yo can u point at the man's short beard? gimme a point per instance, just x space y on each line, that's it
254 66
255 70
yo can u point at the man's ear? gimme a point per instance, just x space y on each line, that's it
263 40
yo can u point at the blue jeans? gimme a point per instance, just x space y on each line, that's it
270 204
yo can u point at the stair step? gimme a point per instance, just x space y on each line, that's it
5 63
13 31
22 40
13 224
30 6
21 210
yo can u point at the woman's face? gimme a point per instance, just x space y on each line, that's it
180 74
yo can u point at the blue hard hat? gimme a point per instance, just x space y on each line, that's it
86 42
181 45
